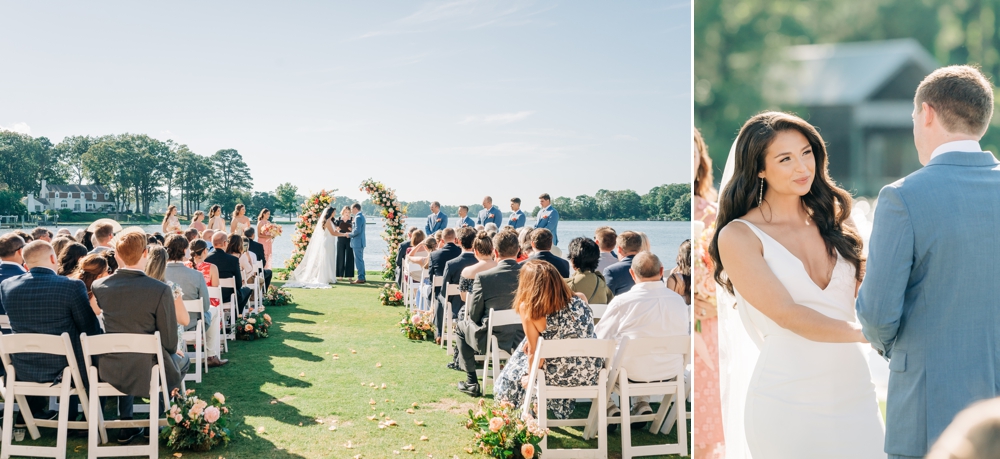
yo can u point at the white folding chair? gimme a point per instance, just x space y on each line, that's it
124 343
448 340
416 277
598 310
196 338
4 322
71 384
215 293
493 352
601 348
258 286
229 309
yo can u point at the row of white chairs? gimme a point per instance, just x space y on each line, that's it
71 384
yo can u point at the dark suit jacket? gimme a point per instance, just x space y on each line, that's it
400 255
8 271
258 249
229 266
41 301
561 264
493 289
453 275
618 277
439 257
135 303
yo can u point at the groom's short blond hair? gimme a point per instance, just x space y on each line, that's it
961 95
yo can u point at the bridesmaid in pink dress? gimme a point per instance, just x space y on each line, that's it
709 439
263 223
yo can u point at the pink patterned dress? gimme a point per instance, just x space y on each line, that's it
707 427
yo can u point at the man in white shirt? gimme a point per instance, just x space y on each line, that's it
606 239
102 238
648 310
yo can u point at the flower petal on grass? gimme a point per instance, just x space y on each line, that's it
408 448
409 411
419 423
424 438
260 429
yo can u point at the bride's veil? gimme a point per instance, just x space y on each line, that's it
308 272
737 355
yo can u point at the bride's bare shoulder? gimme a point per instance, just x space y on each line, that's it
738 237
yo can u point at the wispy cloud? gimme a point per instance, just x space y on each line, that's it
20 128
497 118
626 137
526 153
460 14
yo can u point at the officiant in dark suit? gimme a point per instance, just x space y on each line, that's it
345 255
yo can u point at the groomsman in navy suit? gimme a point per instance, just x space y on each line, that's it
548 217
464 220
358 242
11 260
436 221
517 218
490 213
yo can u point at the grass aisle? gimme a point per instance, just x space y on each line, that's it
307 371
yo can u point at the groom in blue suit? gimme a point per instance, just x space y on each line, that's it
929 303
358 242
436 221
548 217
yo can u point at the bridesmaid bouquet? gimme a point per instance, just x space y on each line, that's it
271 231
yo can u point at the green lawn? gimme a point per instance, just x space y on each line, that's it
286 391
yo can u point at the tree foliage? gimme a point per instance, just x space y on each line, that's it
230 180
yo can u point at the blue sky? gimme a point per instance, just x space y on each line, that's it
446 100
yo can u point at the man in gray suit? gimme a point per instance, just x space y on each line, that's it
928 303
492 289
135 303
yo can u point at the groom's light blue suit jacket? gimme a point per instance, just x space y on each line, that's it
929 302
358 232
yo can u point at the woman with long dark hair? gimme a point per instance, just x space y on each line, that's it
69 258
786 248
215 220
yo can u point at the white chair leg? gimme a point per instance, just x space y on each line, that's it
63 423
29 419
8 421
154 415
625 404
602 413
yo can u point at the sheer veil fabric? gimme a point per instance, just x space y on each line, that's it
318 268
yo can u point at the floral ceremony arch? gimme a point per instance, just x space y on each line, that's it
394 215
312 209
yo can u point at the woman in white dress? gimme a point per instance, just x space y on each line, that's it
240 221
318 268
787 250
215 220
171 225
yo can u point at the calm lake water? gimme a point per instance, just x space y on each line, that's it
664 237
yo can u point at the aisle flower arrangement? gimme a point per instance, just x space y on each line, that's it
277 296
196 424
395 217
416 326
502 433
312 209
389 295
253 325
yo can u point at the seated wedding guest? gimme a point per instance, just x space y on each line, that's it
92 267
446 252
524 241
210 273
135 303
680 277
583 257
151 240
78 236
160 239
491 228
421 256
229 267
492 289
549 310
437 220
482 247
40 301
102 237
27 237
453 269
489 214
464 220
64 232
109 256
648 310
646 245
11 260
257 249
70 257
236 246
541 246
517 217
171 224
190 281
548 217
606 238
60 243
215 220
41 234
973 434
191 234
617 275
198 221
156 268
86 238
480 228
209 236
400 254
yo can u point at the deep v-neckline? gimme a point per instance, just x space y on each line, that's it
833 271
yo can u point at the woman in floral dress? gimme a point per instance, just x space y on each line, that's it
548 309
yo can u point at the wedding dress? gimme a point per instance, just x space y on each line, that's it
808 399
318 268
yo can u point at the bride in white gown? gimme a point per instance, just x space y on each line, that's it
318 268
792 259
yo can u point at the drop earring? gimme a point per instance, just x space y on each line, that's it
760 195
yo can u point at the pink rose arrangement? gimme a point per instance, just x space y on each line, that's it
196 424
416 326
501 431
